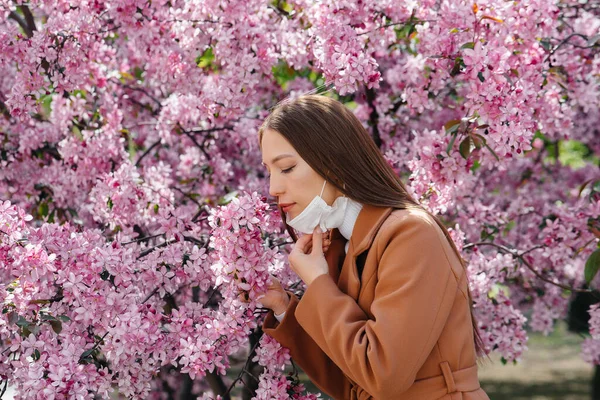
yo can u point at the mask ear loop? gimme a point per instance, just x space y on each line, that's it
323 188
321 196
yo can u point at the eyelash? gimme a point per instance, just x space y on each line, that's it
284 171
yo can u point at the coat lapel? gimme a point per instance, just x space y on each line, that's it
367 224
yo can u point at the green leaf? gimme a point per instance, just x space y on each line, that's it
47 317
283 73
156 207
476 166
86 354
452 125
458 65
77 132
138 72
46 105
488 232
43 209
79 93
36 355
468 45
205 60
465 147
480 76
56 326
592 266
131 147
509 226
405 31
105 275
109 203
51 216
22 322
451 144
546 44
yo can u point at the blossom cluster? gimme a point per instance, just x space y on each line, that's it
273 384
125 125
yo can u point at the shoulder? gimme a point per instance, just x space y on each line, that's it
404 221
415 236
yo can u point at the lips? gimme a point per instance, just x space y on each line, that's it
286 206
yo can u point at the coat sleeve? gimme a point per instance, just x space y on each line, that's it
413 297
306 353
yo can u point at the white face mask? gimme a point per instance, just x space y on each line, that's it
319 213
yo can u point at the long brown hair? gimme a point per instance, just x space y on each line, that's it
332 140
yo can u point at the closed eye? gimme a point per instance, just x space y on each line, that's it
284 171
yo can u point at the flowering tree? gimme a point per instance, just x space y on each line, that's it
134 243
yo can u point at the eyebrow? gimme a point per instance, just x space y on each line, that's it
279 157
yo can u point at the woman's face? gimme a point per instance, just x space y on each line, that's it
291 179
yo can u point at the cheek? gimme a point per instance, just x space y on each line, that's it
304 186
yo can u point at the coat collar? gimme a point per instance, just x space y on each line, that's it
343 269
368 222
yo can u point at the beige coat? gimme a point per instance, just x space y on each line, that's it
401 330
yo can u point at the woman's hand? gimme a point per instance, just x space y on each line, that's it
326 241
307 258
275 298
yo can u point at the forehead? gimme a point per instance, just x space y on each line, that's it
274 144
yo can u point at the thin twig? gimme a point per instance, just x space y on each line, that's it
138 89
518 255
189 196
141 239
244 368
95 346
193 139
152 293
158 246
4 388
206 303
563 42
137 163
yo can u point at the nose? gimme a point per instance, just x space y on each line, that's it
275 186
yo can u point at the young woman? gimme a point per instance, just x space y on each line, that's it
387 311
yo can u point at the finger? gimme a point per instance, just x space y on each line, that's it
317 242
273 282
303 243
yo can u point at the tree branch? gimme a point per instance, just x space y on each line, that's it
28 17
27 24
193 139
148 150
518 255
